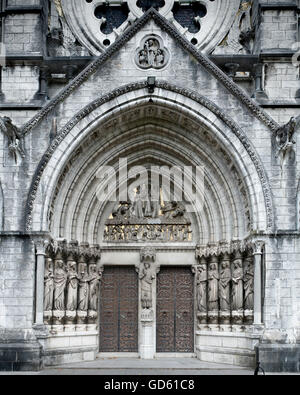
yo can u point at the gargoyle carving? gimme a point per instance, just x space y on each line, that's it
285 138
14 136
284 135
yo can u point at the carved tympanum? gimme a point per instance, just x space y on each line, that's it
145 220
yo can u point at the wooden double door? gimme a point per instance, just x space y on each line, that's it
175 310
119 309
119 301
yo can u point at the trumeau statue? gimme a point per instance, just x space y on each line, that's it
146 276
213 287
48 286
14 136
224 286
72 287
237 285
83 297
60 281
201 281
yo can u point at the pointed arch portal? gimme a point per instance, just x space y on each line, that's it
171 128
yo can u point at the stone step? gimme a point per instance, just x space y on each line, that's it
226 355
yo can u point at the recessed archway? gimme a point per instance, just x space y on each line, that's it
170 130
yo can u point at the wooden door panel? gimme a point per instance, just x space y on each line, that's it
119 310
175 310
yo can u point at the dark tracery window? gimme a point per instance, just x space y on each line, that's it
146 4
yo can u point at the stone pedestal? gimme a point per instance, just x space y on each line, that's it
58 317
248 317
147 345
202 318
225 317
48 317
213 317
70 317
237 317
92 317
81 321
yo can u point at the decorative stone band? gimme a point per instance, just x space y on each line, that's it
165 86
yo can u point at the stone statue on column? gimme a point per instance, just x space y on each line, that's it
147 273
72 287
83 289
94 281
237 289
60 281
146 276
224 289
201 284
213 292
72 292
249 289
48 291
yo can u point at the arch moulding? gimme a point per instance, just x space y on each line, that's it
126 97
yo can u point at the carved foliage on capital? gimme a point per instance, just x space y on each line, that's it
258 247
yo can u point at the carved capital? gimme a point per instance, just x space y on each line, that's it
201 251
224 247
258 246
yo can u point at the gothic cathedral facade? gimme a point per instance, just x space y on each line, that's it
149 181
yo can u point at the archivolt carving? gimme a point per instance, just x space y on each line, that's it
163 85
